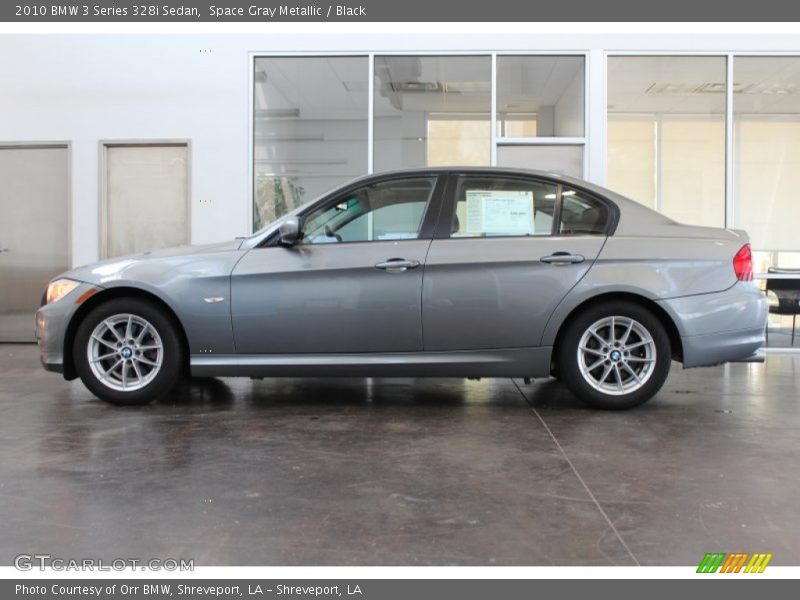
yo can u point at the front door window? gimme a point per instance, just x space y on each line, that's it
388 210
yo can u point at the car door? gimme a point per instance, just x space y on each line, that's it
507 250
352 284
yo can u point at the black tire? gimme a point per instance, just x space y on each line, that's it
569 360
173 357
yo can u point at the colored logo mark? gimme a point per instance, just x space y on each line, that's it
738 562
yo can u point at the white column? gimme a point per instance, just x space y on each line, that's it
493 115
729 217
596 116
371 114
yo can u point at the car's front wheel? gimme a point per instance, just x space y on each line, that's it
128 352
614 355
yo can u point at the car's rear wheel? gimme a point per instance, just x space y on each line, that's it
128 352
614 355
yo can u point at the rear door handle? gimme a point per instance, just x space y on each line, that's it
4 249
397 265
560 259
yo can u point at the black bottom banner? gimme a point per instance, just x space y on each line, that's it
384 589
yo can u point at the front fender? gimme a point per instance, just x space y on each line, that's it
195 286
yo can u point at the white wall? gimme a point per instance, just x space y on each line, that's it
86 88
90 88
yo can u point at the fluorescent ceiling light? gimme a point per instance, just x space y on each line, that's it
276 113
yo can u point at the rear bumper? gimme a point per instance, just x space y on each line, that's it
757 357
720 327
716 348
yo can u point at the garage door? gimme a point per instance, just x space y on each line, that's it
34 231
145 197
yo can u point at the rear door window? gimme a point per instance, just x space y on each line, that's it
503 207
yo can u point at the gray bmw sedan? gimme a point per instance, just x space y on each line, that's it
442 272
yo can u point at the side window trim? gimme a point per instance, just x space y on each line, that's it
448 207
556 229
434 208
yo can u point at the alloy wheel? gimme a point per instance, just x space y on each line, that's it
125 352
616 355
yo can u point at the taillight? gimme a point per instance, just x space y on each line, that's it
743 264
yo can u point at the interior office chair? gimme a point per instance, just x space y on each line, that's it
788 293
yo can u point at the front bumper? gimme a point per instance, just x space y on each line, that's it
51 327
720 327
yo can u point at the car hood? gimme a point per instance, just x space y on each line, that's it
144 265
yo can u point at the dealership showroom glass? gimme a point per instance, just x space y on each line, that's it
369 294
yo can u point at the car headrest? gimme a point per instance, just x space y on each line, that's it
591 217
588 220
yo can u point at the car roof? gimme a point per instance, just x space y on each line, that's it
475 170
494 171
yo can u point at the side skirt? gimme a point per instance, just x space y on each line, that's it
507 362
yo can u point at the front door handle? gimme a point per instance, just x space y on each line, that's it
397 265
3 249
559 259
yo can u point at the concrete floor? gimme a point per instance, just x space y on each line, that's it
401 472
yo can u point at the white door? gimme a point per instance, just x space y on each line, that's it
146 203
34 232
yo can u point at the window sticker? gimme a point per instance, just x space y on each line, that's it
499 212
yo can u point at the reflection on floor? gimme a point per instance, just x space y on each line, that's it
419 472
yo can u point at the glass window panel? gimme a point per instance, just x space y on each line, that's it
390 210
457 140
762 260
310 129
563 159
766 138
540 96
693 169
487 207
581 214
632 157
666 134
432 110
517 125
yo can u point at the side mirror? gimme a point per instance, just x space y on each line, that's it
289 232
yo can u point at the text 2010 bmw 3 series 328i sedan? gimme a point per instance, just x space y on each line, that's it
447 272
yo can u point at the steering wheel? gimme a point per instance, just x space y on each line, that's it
332 234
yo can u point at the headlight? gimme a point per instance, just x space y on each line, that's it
60 288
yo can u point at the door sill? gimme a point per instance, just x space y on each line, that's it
503 362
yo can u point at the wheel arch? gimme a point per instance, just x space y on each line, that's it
106 295
675 343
